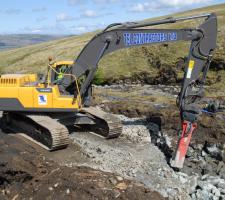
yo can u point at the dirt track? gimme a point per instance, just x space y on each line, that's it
27 173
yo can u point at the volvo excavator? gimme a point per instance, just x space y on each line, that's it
44 109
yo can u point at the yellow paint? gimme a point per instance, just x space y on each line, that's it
55 64
24 88
25 95
191 64
190 68
12 80
9 92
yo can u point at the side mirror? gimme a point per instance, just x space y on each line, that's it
40 77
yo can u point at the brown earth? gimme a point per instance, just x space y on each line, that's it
26 173
210 132
211 128
165 75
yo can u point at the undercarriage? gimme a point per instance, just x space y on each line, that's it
51 131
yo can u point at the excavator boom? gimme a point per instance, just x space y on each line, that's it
125 35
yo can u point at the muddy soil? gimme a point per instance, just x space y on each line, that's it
132 166
26 172
206 155
165 75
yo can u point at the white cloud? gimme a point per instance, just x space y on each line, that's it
35 31
45 29
141 7
74 2
64 17
80 29
182 2
83 28
164 4
90 13
40 9
41 19
13 11
106 1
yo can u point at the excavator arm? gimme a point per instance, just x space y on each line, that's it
120 36
196 69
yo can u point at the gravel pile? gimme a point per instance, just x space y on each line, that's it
204 168
132 156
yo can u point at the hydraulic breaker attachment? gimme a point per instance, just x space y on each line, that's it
183 144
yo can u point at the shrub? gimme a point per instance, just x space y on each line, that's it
99 78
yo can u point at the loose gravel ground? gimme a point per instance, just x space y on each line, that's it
132 156
141 154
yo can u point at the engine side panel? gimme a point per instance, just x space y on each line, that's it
18 93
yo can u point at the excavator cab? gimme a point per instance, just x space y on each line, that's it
57 70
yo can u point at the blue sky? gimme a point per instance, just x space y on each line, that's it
79 16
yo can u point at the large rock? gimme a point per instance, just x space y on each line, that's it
209 188
215 151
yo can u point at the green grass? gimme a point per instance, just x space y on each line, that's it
121 63
99 78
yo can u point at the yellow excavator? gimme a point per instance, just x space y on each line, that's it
38 109
43 109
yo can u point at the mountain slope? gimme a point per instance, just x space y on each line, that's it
20 40
122 63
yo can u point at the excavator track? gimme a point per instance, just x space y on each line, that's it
106 125
41 129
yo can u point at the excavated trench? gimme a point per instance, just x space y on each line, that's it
142 153
205 161
205 157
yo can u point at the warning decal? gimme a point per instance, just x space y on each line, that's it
190 68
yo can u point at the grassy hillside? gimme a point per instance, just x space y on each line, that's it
125 62
10 41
